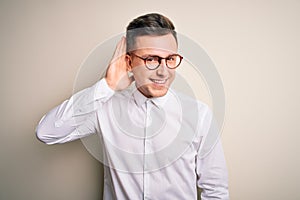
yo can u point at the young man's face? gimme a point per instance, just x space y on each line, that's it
153 83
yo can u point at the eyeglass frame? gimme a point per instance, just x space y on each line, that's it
159 60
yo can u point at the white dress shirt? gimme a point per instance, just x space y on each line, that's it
153 148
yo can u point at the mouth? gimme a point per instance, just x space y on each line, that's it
159 81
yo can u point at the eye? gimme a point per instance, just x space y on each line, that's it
151 59
171 58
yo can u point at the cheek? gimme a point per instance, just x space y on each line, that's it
140 74
172 75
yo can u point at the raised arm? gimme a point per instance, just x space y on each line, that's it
77 116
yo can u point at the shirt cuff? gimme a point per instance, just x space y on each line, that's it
102 90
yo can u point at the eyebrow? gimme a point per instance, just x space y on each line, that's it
153 55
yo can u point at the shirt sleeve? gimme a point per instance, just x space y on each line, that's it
212 175
75 117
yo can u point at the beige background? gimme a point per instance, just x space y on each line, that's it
254 44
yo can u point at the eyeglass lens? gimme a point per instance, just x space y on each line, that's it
172 61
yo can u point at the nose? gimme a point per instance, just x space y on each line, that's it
162 69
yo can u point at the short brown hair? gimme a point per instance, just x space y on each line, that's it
149 24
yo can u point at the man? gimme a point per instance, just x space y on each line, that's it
153 137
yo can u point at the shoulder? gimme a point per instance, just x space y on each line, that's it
121 100
191 103
195 112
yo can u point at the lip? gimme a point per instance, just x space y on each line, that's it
159 81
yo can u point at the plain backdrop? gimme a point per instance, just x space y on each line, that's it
255 46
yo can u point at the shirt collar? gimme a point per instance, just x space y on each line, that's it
140 99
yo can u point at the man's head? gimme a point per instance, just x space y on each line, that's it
149 39
152 24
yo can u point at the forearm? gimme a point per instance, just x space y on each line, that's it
75 117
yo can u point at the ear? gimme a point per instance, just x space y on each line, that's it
128 62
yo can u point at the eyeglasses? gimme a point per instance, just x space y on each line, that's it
153 62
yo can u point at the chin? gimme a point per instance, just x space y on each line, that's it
151 91
158 92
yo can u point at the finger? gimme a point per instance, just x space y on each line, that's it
120 51
117 50
122 48
119 47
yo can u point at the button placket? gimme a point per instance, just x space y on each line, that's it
146 151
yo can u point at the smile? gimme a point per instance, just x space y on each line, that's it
159 81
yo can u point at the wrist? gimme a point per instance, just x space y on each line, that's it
110 83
